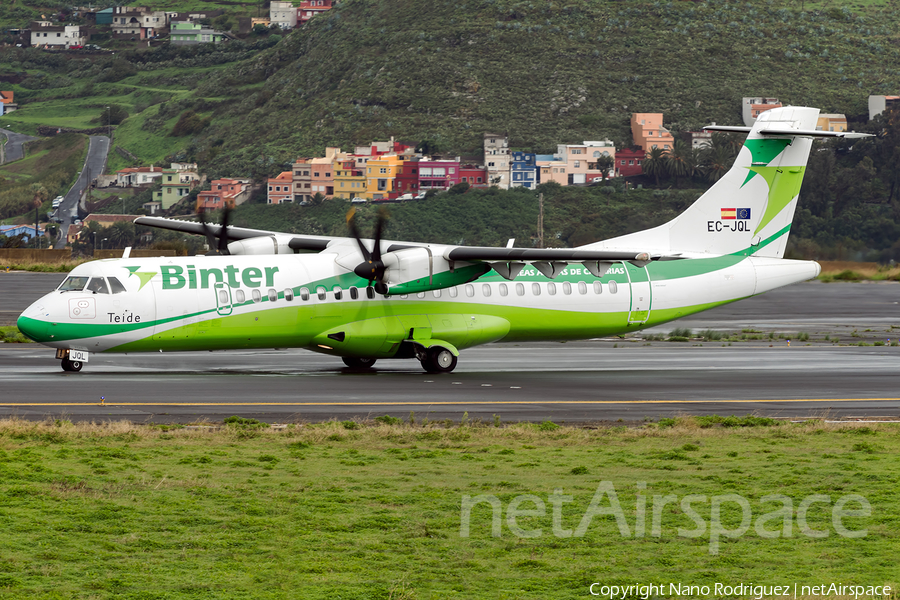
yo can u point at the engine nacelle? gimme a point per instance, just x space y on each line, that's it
413 270
266 244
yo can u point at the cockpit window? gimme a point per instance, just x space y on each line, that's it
98 286
115 285
73 284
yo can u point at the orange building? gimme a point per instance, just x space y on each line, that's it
224 192
648 132
831 122
753 107
281 188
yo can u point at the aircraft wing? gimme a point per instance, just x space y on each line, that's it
294 242
476 253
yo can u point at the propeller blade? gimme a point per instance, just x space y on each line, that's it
223 231
210 238
379 228
351 224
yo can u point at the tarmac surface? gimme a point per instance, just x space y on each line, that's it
599 380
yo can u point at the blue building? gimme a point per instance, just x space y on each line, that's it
523 170
14 230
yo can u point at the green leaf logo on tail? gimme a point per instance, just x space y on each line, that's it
144 276
784 185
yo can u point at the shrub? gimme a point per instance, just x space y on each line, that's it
548 426
388 420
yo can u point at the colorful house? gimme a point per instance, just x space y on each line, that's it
628 162
381 173
177 182
523 170
310 8
831 122
753 107
551 168
322 177
184 33
349 181
281 188
878 104
224 192
648 132
598 151
302 176
6 103
438 175
407 179
475 175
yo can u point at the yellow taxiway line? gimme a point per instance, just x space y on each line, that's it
442 403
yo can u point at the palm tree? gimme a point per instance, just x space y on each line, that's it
654 163
719 155
681 161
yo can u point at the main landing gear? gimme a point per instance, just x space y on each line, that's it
359 364
438 360
72 366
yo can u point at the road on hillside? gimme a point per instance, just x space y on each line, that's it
98 150
14 146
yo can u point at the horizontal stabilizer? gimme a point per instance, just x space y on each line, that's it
774 132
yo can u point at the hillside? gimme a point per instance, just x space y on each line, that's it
546 73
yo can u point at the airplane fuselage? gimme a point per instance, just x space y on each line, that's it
307 301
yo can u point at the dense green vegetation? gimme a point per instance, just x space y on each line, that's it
51 164
368 510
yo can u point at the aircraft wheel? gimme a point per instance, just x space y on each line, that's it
439 360
359 364
72 366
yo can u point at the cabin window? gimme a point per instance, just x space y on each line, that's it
289 294
320 293
239 296
536 289
115 285
486 289
520 289
503 289
404 296
73 284
370 293
453 292
567 288
437 293
470 290
354 293
223 298
613 287
582 287
273 295
98 286
551 289
420 295
598 287
338 292
257 297
304 294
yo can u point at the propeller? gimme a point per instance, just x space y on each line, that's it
373 268
220 246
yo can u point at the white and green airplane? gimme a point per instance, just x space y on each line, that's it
364 300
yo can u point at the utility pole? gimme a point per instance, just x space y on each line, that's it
541 221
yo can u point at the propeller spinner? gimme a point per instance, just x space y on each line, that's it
373 268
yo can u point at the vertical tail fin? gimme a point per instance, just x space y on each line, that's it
750 209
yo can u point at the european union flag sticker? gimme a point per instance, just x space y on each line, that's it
743 213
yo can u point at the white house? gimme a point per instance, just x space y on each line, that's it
283 14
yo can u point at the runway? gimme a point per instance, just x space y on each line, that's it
599 380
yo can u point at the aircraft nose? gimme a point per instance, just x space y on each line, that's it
33 323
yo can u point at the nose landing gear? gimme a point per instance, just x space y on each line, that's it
72 366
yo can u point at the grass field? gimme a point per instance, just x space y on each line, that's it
374 510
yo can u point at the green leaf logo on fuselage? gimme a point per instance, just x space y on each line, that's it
144 276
